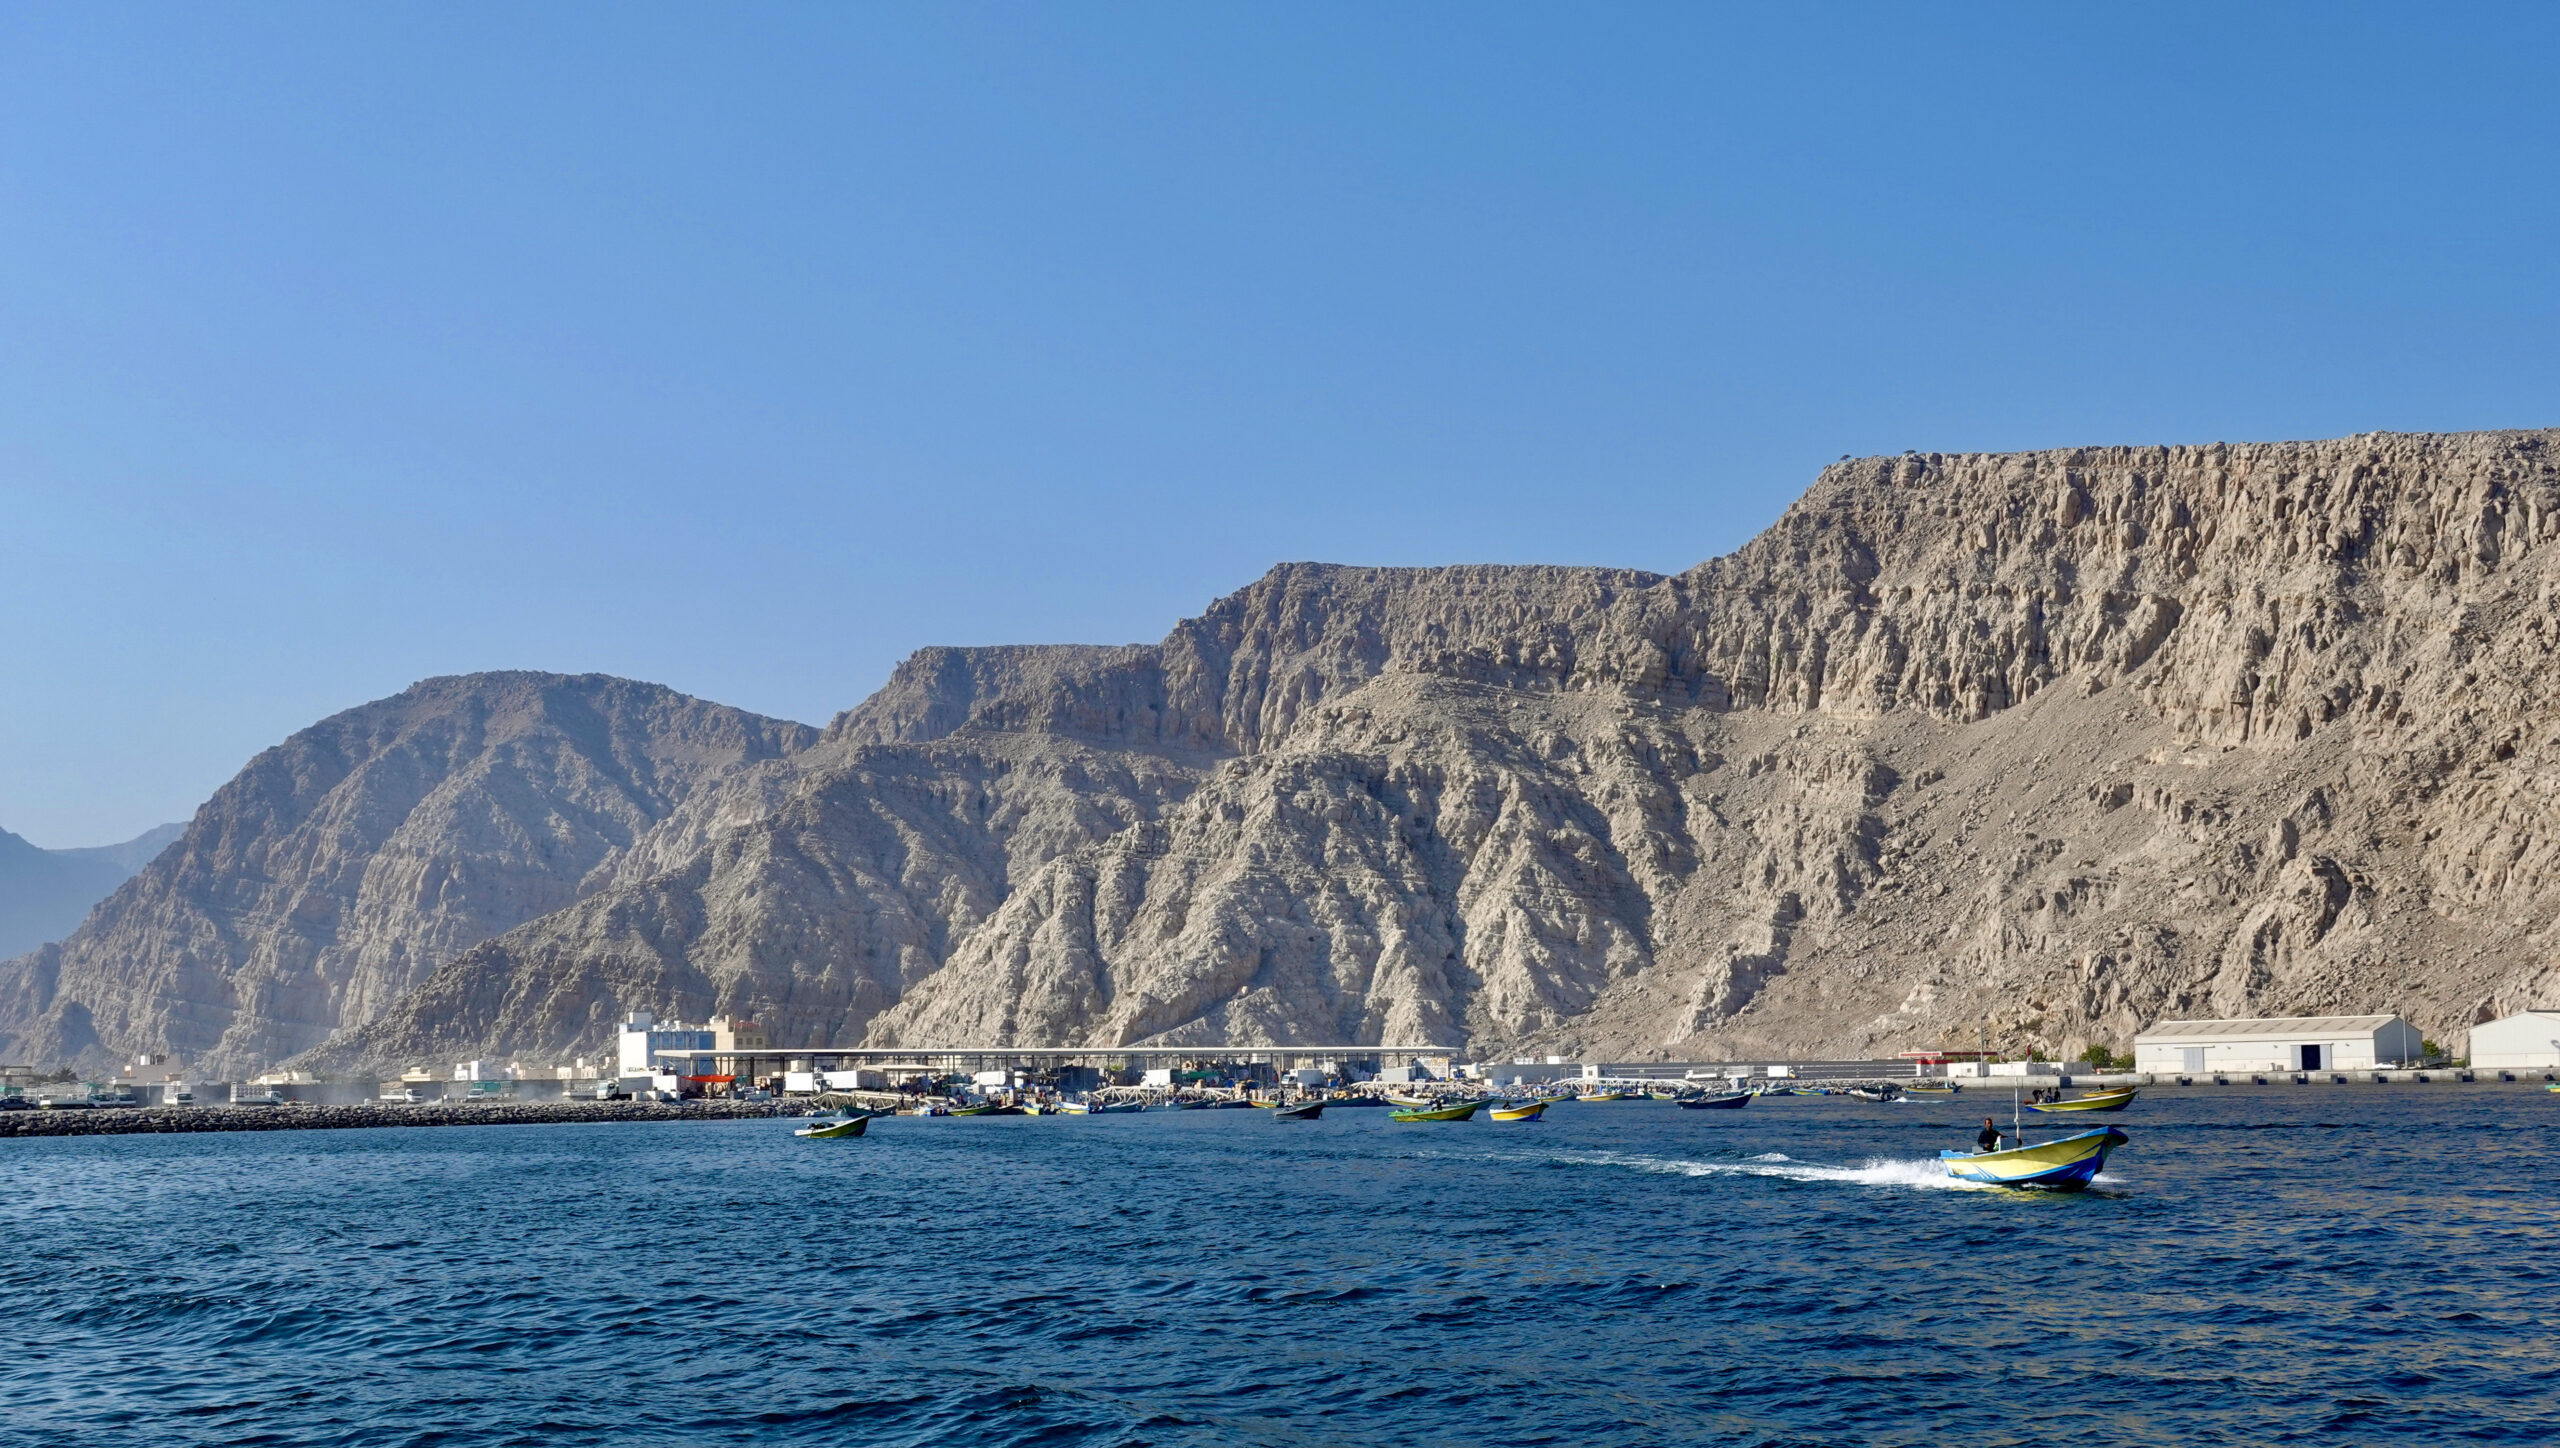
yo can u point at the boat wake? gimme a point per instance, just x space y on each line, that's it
1874 1172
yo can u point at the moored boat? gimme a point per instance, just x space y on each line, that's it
2065 1164
1408 1103
983 1108
1459 1112
1596 1097
1520 1110
1722 1101
2115 1100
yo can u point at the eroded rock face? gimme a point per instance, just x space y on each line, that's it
342 866
2036 748
2033 748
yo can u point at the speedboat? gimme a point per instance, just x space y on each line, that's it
2065 1164
1725 1101
2115 1100
1409 1103
1459 1112
853 1126
1520 1110
1302 1111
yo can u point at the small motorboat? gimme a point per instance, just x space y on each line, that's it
1459 1112
1409 1103
1302 1111
2115 1100
1520 1110
1599 1096
1662 1095
1722 1101
2065 1164
983 1108
1355 1098
1931 1090
851 1126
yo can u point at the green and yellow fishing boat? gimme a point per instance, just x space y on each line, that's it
1459 1112
2095 1101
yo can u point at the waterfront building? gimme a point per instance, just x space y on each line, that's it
2288 1043
644 1036
2527 1040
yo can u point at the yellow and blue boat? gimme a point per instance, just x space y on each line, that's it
1597 1096
2065 1164
2115 1100
1519 1110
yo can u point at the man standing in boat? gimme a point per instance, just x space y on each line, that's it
1988 1138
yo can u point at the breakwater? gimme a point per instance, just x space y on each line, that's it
170 1120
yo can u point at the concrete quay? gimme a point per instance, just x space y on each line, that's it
131 1121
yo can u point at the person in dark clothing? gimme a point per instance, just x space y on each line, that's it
1987 1139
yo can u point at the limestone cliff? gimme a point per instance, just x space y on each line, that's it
2039 746
342 866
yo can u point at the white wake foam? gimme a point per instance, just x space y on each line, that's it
1873 1172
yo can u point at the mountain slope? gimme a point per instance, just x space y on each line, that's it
2040 746
343 865
45 893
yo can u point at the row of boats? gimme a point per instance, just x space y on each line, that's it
2064 1164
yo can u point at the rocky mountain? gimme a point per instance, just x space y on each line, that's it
44 893
2032 747
342 866
2035 748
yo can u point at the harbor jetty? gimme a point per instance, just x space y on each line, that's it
133 1121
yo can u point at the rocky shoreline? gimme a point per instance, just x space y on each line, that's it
128 1121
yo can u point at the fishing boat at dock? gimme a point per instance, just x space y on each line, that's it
2065 1164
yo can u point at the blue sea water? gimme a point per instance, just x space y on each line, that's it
2322 1265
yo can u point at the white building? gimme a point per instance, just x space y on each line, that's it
2294 1043
2529 1039
644 1035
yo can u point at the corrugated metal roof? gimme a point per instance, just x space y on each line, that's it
2270 1026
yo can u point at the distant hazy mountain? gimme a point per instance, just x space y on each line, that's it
45 894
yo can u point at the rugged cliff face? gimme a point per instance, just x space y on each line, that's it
343 865
2040 746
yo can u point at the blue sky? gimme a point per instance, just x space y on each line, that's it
747 348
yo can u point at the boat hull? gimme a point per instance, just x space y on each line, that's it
834 1129
2065 1165
2096 1101
1438 1113
1529 1111
1729 1101
1307 1111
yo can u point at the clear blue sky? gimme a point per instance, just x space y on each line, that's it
746 348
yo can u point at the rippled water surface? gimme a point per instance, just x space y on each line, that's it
2330 1265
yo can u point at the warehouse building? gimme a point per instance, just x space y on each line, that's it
2295 1043
2527 1039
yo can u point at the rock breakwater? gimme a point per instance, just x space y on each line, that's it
124 1121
